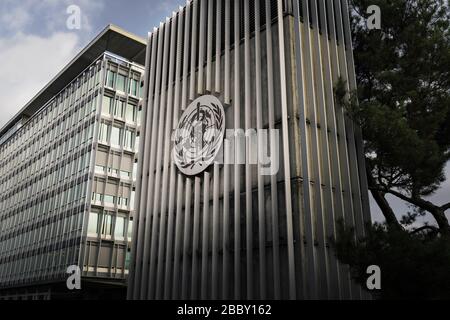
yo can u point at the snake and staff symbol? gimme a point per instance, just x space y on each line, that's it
199 135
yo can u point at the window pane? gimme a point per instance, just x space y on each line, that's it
129 139
115 136
118 109
134 87
107 105
103 133
121 81
93 223
119 231
131 113
109 199
107 225
130 229
110 79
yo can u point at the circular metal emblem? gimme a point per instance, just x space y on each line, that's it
199 135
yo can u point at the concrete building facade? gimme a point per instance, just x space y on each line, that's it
230 232
67 172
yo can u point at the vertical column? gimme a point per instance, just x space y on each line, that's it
156 185
196 234
167 159
286 158
172 195
325 167
216 172
259 126
227 75
142 182
226 167
273 178
237 168
248 166
219 13
363 184
338 58
186 240
146 199
327 44
179 215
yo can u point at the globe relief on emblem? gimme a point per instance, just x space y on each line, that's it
199 135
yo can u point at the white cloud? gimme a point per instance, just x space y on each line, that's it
49 15
35 45
15 19
28 63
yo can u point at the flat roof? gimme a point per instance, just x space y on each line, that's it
112 39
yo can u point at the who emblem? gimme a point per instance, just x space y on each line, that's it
199 135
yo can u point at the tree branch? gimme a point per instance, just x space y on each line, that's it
434 229
437 212
415 201
445 207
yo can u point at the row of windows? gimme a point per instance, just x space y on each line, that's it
117 137
75 168
73 104
107 225
45 235
49 207
48 137
123 174
46 159
119 108
110 200
121 82
41 266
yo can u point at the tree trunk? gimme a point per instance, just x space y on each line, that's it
380 199
386 209
442 221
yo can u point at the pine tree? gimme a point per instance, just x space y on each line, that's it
403 74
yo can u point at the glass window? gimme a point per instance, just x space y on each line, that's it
130 115
127 260
119 230
93 223
125 174
110 199
100 169
123 202
136 144
139 115
116 136
134 170
121 83
110 78
133 195
97 197
130 229
134 86
103 133
107 225
119 109
107 105
129 143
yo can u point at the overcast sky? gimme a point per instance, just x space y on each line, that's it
35 44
